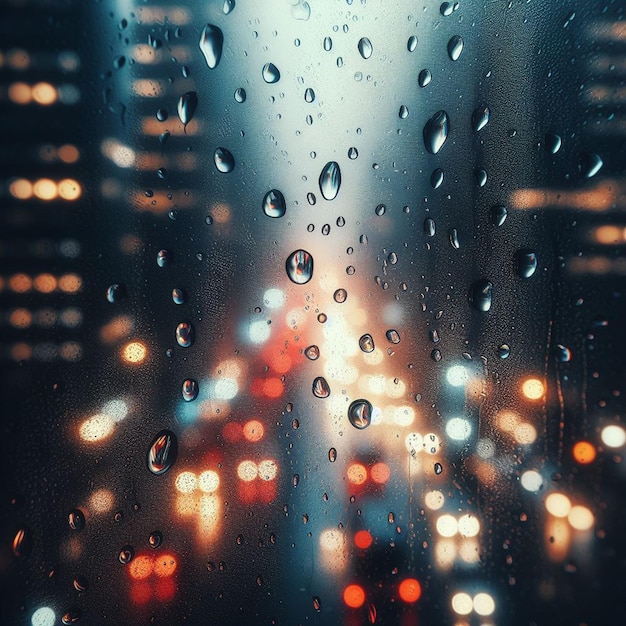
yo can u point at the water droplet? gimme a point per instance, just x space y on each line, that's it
436 178
185 71
436 132
274 204
71 616
270 73
162 174
498 215
224 160
435 355
424 78
163 258
309 95
317 603
371 613
525 263
178 296
429 227
411 44
393 336
228 6
353 153
76 519
80 584
119 62
480 118
455 47
480 176
321 389
300 267
590 164
190 390
240 95
22 542
328 44
155 539
340 296
504 351
403 113
438 468
552 143
330 180
115 293
326 229
360 413
211 43
392 258
301 11
453 236
162 452
126 555
380 210
332 455
480 295
187 105
295 480
563 353
341 221
184 334
312 353
365 47
162 115
366 343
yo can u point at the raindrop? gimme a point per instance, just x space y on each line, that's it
353 153
371 612
295 479
320 388
189 390
211 42
309 95
76 519
312 353
341 221
480 295
328 44
163 137
155 539
438 468
330 180
436 178
552 143
80 584
365 47
424 78
455 47
525 263
178 296
380 210
411 44
162 452
300 267
366 343
187 105
119 62
446 8
184 334
563 353
498 215
162 115
185 71
340 296
480 118
228 6
115 293
436 132
453 236
301 11
393 335
224 160
22 542
332 455
504 351
404 112
590 164
274 204
71 616
317 603
126 555
162 174
435 355
392 258
270 73
240 95
360 413
429 227
480 176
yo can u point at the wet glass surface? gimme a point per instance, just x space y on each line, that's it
312 312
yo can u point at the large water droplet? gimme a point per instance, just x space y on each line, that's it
590 164
300 267
115 293
240 95
393 336
525 263
321 388
330 180
184 334
498 215
190 390
403 113
309 95
211 42
411 44
178 296
224 160
80 584
162 452
453 236
317 603
430 227
480 295
424 78
480 176
76 519
353 153
504 351
436 131
301 11
274 204
270 73
228 6
552 143
366 343
446 8
340 296
187 105
480 118
360 413
312 353
163 258
365 47
455 47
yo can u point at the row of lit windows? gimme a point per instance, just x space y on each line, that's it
43 283
45 189
43 93
71 351
21 60
45 318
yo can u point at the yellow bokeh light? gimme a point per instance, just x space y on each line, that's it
357 474
20 93
374 358
45 189
434 500
447 526
445 553
186 482
267 469
484 604
469 526
580 518
208 481
462 603
96 428
101 501
44 93
70 283
558 504
613 436
20 283
525 434
134 352
21 189
247 471
69 189
468 551
533 388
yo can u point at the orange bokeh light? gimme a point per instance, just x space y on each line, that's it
232 432
134 352
253 431
380 473
357 474
281 363
584 452
363 539
140 593
410 590
354 596
165 589
165 565
140 567
273 388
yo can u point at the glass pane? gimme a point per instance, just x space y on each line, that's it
311 312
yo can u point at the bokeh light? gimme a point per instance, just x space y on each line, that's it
613 436
354 596
410 590
584 452
533 389
558 504
462 603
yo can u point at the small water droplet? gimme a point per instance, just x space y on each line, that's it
436 132
71 616
321 318
563 353
403 113
184 334
270 73
211 43
312 353
438 468
365 47
480 118
380 210
341 221
453 236
155 539
76 519
224 160
340 296
504 351
328 44
187 105
178 296
240 95
295 480
80 584
590 164
274 204
552 143
436 178
228 6
22 542
115 293
436 355
480 295
162 174
429 227
353 153
317 603
480 176
320 388
411 44
455 47
190 390
366 343
299 267
371 613
393 336
424 78
309 95
332 455
126 555
162 452
163 258
119 62
525 263
498 215
330 180
360 413
162 115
